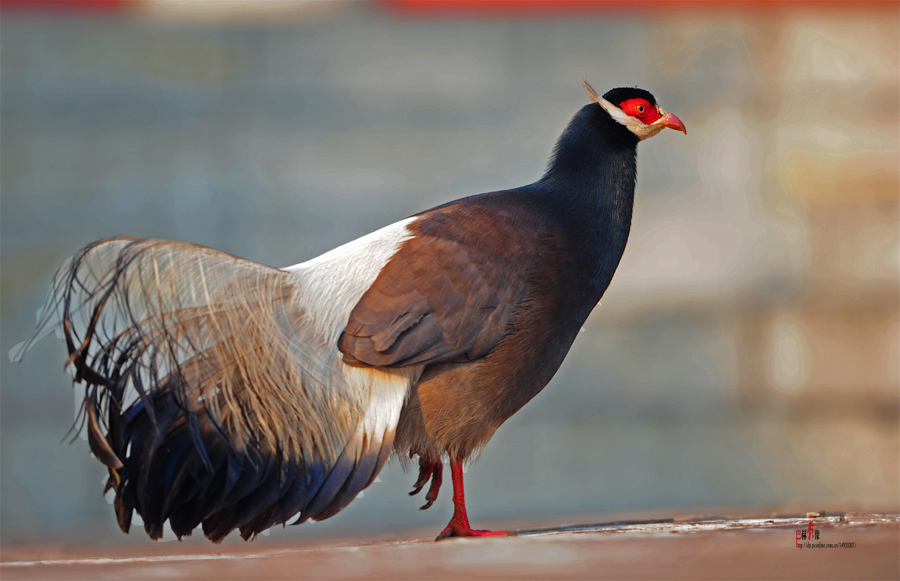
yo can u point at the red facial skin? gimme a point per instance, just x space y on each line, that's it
641 109
649 114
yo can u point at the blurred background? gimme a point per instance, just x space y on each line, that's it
746 353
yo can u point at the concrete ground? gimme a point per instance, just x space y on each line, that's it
842 546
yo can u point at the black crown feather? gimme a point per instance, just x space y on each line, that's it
621 94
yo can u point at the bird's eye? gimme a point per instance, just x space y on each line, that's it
641 109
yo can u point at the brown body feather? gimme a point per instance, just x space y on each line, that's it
493 326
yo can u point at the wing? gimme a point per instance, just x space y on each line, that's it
215 393
450 291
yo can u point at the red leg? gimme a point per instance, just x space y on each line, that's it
459 524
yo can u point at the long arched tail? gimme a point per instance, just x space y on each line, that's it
214 393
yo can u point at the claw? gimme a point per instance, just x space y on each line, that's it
432 494
425 470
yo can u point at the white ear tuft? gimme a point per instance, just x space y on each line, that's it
591 92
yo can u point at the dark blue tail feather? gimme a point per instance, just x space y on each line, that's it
223 487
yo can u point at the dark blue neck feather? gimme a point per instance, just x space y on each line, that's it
591 179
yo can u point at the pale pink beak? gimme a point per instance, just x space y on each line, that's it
670 121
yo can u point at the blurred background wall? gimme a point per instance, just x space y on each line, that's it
746 352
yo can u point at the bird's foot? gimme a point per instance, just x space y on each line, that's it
428 471
459 523
457 529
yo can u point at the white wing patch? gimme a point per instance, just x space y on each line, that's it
330 287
